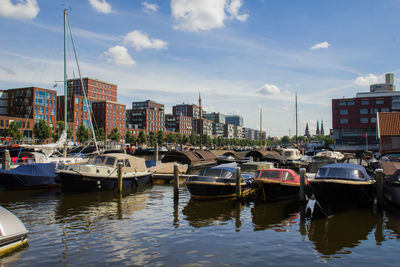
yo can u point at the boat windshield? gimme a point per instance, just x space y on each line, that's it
97 160
340 173
271 174
110 161
216 173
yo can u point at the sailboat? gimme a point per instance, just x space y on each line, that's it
42 174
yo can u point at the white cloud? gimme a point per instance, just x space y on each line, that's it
24 9
322 45
148 8
119 55
200 15
140 40
233 9
368 79
269 89
101 6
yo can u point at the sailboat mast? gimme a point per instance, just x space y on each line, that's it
297 143
261 126
201 124
65 80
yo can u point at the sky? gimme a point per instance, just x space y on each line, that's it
241 56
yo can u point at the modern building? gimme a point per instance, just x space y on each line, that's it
93 88
215 117
239 132
229 130
109 115
354 119
179 124
25 126
3 103
192 110
234 119
204 124
218 129
146 115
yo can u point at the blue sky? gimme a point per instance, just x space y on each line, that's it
240 55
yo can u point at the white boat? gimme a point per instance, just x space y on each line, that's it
13 233
101 173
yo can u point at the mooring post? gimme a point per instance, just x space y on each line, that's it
156 153
238 183
5 161
379 188
176 181
302 196
120 177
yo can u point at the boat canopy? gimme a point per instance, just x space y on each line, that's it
344 171
34 170
223 170
130 163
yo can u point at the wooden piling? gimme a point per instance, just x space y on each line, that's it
238 183
120 177
176 181
302 196
379 188
156 153
5 161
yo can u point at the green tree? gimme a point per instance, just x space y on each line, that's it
114 135
142 138
100 134
130 138
59 130
179 138
152 138
160 137
285 140
42 131
170 138
13 131
83 134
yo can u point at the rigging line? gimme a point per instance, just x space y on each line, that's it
90 110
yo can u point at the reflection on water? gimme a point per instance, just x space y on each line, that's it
149 227
341 232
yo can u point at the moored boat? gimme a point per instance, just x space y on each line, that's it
219 182
277 184
391 184
342 185
13 233
101 173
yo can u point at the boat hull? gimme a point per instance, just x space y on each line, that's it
35 176
392 192
273 191
80 183
336 195
204 190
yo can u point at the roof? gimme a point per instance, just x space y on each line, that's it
388 124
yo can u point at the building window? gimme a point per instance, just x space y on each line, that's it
344 112
379 101
350 103
344 121
374 110
364 120
364 111
364 102
342 103
384 110
373 120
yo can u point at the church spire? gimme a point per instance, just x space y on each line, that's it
322 128
317 131
307 132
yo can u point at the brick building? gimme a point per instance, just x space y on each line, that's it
147 116
108 115
179 124
94 89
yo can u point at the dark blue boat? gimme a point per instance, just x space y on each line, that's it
219 182
342 185
29 176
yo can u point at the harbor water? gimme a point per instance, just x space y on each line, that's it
149 228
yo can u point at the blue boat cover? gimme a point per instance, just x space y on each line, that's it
230 167
34 169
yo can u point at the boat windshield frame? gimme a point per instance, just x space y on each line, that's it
220 173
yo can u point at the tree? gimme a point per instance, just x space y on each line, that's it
83 134
60 129
285 140
130 138
179 138
152 138
13 131
170 138
100 134
42 131
114 135
142 138
160 137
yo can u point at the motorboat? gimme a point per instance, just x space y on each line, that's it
219 182
277 184
13 233
29 176
342 185
391 184
101 173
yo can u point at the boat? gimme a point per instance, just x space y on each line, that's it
29 176
219 182
277 184
101 173
13 233
391 184
252 167
164 172
342 185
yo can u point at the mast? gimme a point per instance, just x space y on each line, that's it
261 126
201 124
65 81
297 143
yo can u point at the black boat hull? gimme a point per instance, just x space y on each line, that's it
79 183
216 190
276 191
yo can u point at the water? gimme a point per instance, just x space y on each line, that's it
149 228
